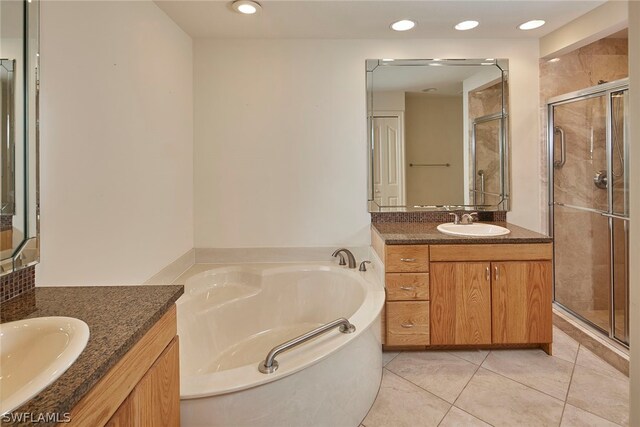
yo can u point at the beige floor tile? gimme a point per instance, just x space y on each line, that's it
474 356
458 418
400 403
503 402
564 347
576 417
589 360
388 356
437 372
533 368
600 393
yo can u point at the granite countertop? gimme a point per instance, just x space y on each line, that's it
117 316
425 233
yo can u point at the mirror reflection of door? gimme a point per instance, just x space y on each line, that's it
388 186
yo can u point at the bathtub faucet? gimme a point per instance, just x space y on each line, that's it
350 257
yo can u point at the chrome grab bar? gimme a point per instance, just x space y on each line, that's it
270 364
563 148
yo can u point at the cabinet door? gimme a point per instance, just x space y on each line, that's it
155 401
521 299
460 303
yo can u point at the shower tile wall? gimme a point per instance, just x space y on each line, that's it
603 60
583 272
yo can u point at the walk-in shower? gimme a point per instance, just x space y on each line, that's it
589 205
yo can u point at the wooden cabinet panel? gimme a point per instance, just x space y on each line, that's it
155 401
407 323
460 303
522 302
495 252
406 258
407 286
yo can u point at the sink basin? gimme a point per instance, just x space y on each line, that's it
477 229
34 353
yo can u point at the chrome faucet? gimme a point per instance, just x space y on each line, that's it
350 257
456 218
468 218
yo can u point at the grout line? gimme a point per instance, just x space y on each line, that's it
474 416
566 396
465 386
445 415
462 358
420 387
391 360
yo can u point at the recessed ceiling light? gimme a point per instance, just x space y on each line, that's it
246 7
531 25
554 60
466 25
403 25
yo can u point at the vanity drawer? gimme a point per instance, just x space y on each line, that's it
406 258
407 286
407 323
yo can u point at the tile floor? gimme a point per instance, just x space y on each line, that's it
573 388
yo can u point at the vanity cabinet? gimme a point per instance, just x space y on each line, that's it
472 295
142 388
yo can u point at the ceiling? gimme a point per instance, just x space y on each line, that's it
366 19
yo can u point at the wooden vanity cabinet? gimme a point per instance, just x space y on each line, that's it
479 295
142 388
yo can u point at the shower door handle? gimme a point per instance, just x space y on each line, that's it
563 148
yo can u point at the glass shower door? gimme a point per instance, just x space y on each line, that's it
580 196
620 214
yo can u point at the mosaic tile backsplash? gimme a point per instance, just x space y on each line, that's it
432 216
17 283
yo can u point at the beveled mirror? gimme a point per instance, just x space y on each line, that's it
438 134
19 58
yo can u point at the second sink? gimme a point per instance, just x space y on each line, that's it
476 229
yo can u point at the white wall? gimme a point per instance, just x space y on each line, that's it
280 136
116 142
634 266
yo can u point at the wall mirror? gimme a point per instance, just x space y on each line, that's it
19 44
438 134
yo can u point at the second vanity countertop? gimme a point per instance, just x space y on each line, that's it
426 233
117 316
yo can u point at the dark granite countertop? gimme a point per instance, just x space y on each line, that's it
117 316
425 233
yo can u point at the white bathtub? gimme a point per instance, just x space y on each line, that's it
229 318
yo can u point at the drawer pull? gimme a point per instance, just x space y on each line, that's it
488 274
407 288
408 259
407 325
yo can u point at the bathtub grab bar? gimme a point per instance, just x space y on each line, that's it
270 365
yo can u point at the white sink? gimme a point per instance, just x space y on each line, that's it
34 353
477 229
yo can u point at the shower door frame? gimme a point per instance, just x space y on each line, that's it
606 90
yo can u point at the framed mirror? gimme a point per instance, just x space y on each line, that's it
19 85
438 134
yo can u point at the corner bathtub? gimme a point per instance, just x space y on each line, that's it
228 320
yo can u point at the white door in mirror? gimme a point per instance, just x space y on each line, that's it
34 353
474 230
